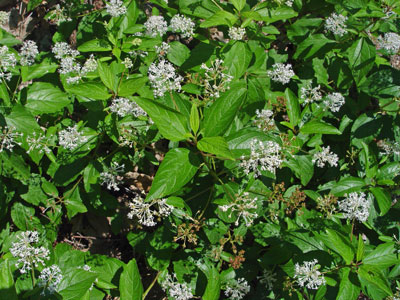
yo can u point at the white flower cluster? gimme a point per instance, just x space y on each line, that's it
336 24
163 49
112 177
244 207
236 33
264 120
69 65
4 17
281 73
156 26
390 42
355 206
309 94
127 62
264 155
216 81
325 156
8 60
389 147
50 278
70 138
28 53
28 255
237 289
176 290
38 141
8 138
140 53
144 212
163 78
268 279
334 101
124 107
308 274
116 8
182 25
59 15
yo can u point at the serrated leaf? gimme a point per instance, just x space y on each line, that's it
319 127
178 168
219 116
130 284
172 124
215 145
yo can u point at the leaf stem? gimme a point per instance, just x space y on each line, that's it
151 285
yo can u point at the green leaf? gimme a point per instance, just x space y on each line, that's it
316 45
178 53
177 169
213 288
215 145
340 244
375 277
360 248
277 14
237 59
303 167
37 70
75 284
219 116
383 198
347 288
44 98
24 217
131 86
221 17
91 90
4 94
361 56
319 127
95 45
293 107
238 4
348 185
172 124
73 202
7 287
130 284
107 76
35 194
22 120
32 4
194 118
383 256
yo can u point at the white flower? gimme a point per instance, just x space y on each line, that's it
355 206
163 49
336 24
70 138
116 8
325 156
334 101
389 147
124 107
38 141
268 279
183 25
163 78
156 26
237 289
62 49
127 63
308 274
264 155
136 53
236 33
145 211
112 177
8 60
244 207
281 73
390 42
264 120
28 53
50 278
216 80
176 290
28 255
90 65
309 94
4 17
8 138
